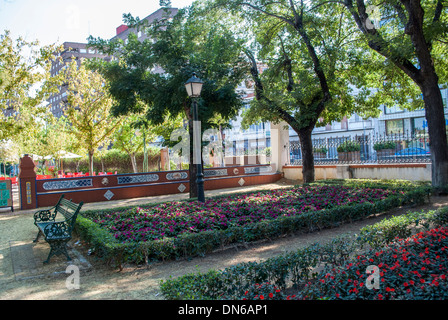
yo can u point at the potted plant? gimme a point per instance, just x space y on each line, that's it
349 151
384 149
320 152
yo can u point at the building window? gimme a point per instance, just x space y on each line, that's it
419 125
139 34
82 50
394 126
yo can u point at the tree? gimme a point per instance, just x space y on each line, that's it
88 109
412 37
312 63
179 46
47 136
25 82
132 136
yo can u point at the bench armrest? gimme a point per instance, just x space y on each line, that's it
44 215
57 230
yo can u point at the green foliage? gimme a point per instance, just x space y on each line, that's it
185 44
88 109
411 268
294 269
384 145
320 150
403 226
349 146
25 83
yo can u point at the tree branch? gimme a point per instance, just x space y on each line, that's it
268 13
377 42
438 11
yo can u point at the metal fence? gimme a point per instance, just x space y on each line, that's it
405 147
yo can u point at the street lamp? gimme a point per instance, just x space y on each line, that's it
194 88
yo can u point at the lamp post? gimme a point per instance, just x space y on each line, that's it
194 88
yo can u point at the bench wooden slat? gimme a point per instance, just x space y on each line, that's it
69 204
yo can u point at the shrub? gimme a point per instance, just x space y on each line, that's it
263 291
349 146
409 269
384 145
343 263
320 150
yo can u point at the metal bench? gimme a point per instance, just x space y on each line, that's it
57 232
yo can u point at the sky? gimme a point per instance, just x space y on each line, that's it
56 21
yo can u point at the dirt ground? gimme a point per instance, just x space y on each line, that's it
99 282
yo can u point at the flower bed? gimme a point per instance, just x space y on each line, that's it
174 218
409 269
188 228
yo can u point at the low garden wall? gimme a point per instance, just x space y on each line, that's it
127 186
406 171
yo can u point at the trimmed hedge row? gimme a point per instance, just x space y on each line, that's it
199 244
293 269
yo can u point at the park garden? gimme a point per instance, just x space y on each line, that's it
302 61
409 250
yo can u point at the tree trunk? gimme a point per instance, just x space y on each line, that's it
434 113
306 146
425 77
91 162
133 162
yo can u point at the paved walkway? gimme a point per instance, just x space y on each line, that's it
21 259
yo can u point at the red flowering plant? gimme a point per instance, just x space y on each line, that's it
409 269
172 219
263 291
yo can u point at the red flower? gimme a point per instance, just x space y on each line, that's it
271 295
261 297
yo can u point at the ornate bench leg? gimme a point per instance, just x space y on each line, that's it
58 247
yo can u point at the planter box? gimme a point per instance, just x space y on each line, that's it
319 155
349 156
385 153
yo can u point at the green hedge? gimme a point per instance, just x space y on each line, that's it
199 244
292 269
